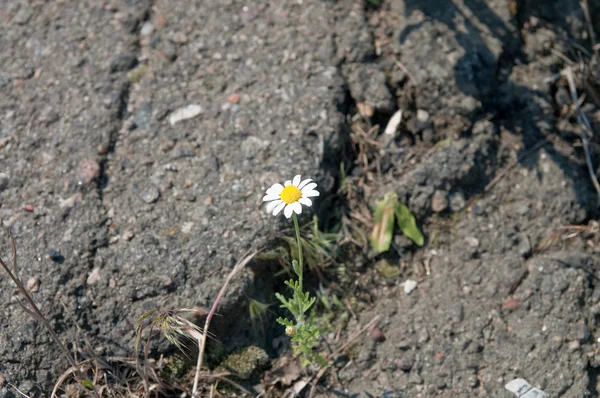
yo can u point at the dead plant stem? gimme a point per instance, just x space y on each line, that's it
241 264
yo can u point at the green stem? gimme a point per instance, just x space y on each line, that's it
300 267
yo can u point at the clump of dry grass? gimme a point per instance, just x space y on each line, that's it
90 375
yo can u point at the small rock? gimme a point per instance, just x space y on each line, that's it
234 98
574 345
55 256
186 228
457 201
409 286
23 15
511 304
472 241
150 195
128 235
89 170
525 248
29 208
423 336
422 115
102 149
180 38
376 334
70 202
185 113
33 284
147 29
439 202
4 180
94 276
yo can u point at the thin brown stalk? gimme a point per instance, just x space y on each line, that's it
35 311
213 309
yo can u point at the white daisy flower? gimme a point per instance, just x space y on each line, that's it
291 196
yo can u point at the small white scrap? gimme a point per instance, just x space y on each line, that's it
409 286
522 389
393 123
185 113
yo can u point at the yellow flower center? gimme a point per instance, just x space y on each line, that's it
290 194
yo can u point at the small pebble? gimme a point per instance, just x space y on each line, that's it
409 286
180 38
150 195
147 29
234 98
33 284
89 170
377 335
439 202
422 115
23 15
574 345
29 208
128 235
186 228
94 276
472 241
511 304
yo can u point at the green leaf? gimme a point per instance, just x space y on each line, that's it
383 223
408 225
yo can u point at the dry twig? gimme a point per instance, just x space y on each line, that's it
202 342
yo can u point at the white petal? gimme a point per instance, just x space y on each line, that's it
271 196
288 182
288 210
271 206
297 207
305 201
275 188
296 180
278 208
310 194
303 183
309 187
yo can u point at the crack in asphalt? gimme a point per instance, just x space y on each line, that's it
114 135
